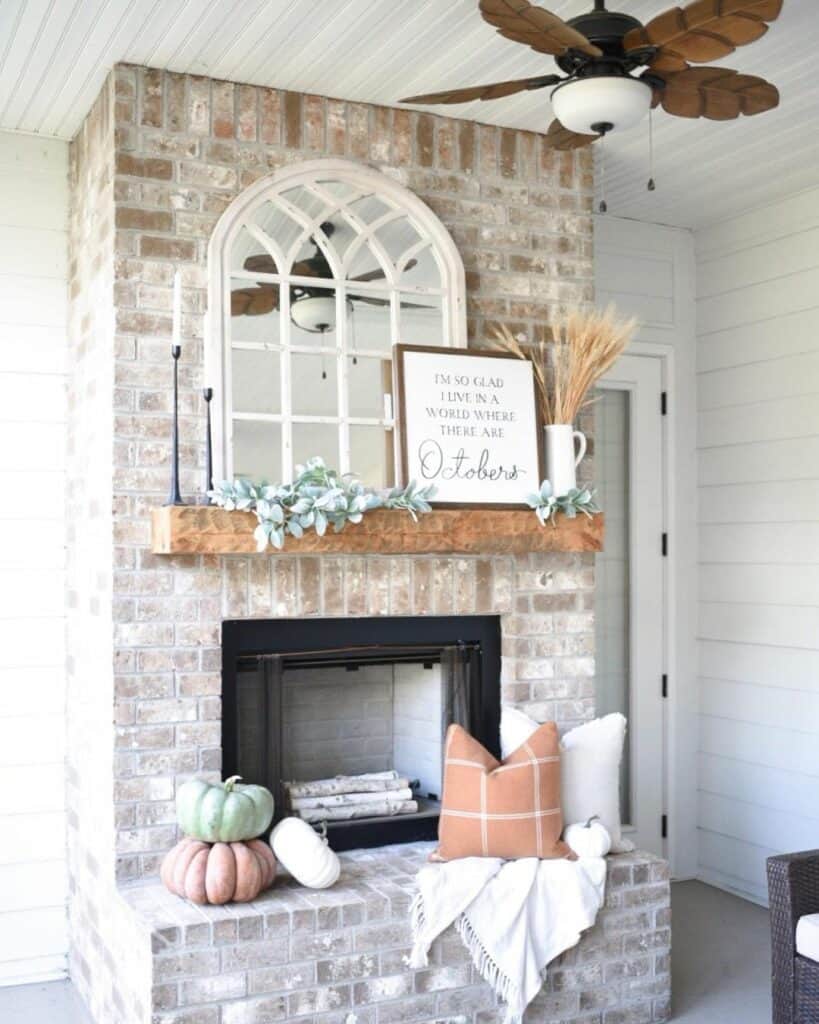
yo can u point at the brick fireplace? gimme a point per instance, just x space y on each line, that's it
157 161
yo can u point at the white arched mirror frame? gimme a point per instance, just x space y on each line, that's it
239 215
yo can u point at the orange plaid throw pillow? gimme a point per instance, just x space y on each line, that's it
509 809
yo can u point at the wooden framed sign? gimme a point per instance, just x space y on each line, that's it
468 423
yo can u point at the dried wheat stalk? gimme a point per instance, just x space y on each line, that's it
586 346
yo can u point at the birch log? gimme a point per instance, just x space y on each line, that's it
307 803
349 812
371 782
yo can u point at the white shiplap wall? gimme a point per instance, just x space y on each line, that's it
33 241
758 427
647 270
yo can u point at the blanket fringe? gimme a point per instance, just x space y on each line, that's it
420 947
501 983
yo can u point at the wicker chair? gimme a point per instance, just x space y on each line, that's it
793 890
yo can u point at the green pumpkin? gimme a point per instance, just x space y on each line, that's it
223 812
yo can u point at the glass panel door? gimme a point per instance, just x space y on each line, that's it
612 612
630 597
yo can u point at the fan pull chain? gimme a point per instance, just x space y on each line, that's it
323 367
353 344
604 206
651 183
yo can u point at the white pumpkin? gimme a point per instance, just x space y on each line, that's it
588 838
305 854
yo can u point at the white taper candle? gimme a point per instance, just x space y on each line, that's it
177 308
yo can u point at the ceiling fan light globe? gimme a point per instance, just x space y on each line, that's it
583 103
314 313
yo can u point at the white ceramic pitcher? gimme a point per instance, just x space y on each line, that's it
561 457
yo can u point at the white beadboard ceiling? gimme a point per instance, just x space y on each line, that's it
54 55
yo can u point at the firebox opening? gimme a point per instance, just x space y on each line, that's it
344 719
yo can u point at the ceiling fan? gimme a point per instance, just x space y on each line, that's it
312 309
599 52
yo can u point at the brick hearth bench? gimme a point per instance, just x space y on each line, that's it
339 956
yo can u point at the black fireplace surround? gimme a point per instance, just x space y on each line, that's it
256 653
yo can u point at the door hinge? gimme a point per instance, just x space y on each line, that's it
663 403
665 545
665 684
664 827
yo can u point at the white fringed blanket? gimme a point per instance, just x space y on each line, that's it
514 916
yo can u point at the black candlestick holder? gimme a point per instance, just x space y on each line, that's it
207 394
174 497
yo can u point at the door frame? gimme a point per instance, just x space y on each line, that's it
667 329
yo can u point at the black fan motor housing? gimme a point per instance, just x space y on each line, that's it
605 29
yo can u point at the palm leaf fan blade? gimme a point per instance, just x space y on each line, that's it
718 94
378 274
493 91
261 263
533 26
373 300
562 139
705 30
254 301
369 275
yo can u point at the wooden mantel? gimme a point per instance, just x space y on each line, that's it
198 529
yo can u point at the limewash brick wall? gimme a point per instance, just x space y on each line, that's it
158 160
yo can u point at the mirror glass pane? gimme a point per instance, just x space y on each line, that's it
368 322
369 208
340 189
278 225
313 318
397 236
342 232
421 271
314 389
369 380
371 455
256 379
612 594
420 320
250 255
365 263
311 439
257 450
305 200
312 260
255 312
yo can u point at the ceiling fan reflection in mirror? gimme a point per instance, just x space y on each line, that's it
312 309
601 52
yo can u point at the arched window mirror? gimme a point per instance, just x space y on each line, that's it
315 273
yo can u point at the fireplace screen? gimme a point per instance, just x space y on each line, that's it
349 736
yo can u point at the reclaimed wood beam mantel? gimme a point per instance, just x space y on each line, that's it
197 529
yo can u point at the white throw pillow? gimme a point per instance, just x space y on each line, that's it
515 729
590 775
589 768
